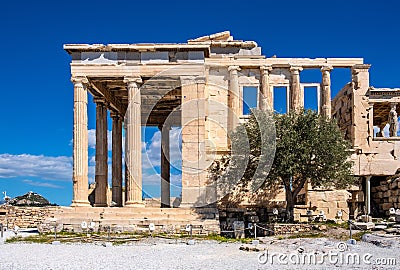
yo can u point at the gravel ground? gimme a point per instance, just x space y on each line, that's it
173 254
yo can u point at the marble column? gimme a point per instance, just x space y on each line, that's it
233 98
296 93
80 143
393 122
325 108
101 173
165 167
368 195
370 116
133 154
116 158
266 99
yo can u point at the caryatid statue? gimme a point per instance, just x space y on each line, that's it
393 122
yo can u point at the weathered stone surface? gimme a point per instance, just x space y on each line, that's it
364 225
382 241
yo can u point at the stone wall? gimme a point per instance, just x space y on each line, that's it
328 201
386 195
289 228
342 107
25 217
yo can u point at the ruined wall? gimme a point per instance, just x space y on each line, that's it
381 158
328 201
361 117
386 195
342 110
354 113
216 111
26 217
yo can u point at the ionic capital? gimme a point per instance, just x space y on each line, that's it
295 69
114 114
129 80
233 68
82 80
326 68
265 69
100 101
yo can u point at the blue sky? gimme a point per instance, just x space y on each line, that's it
37 96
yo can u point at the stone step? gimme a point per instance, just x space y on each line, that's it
150 216
132 218
138 222
124 215
98 210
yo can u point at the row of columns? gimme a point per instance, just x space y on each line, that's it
133 167
296 98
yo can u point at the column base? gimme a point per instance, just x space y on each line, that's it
100 205
77 203
134 204
186 205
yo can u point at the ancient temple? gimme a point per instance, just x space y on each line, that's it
200 87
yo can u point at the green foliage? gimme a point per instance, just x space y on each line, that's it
30 199
251 156
309 148
30 239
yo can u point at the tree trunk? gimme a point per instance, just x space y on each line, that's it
289 206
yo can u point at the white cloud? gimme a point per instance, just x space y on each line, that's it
60 167
45 167
151 151
40 184
92 139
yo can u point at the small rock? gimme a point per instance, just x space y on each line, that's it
380 227
351 242
364 225
255 242
190 242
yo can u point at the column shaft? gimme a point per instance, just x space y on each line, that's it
266 100
101 154
233 98
80 144
165 168
296 94
133 149
117 159
368 195
326 92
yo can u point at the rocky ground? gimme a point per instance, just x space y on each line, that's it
156 253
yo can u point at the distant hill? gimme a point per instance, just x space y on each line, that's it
30 199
